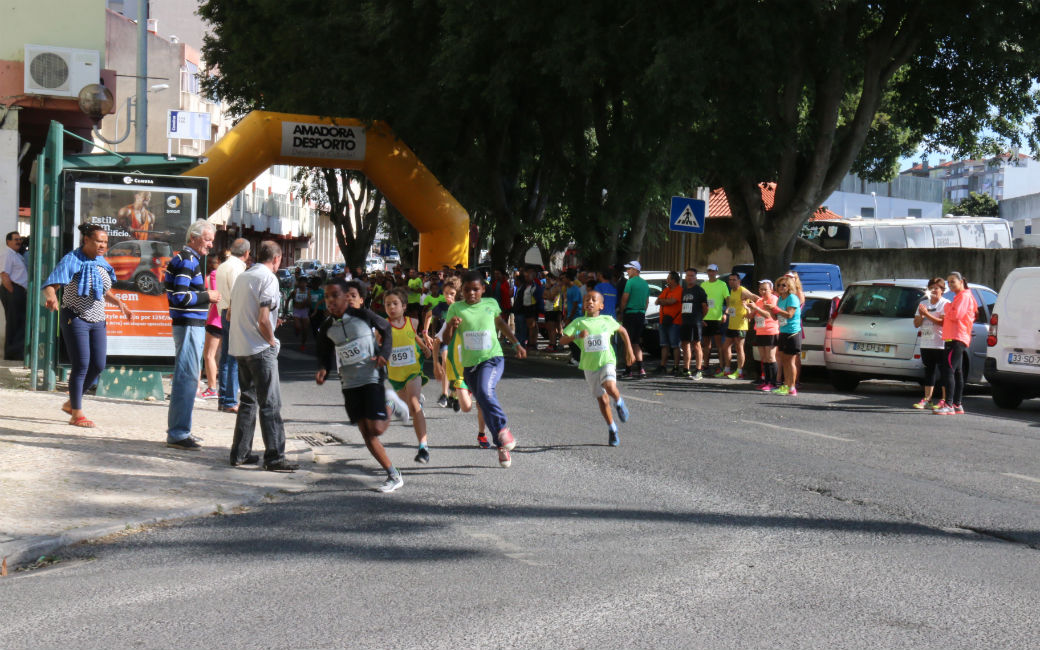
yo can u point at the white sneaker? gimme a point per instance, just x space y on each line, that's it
391 484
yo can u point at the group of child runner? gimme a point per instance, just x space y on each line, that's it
368 350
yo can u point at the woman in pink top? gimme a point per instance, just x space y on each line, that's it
211 348
957 321
767 331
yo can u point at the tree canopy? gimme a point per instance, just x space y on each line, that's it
579 120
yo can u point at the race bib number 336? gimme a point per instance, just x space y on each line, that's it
349 353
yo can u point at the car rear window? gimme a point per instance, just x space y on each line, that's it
816 311
881 300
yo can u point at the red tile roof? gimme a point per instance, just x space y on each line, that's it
718 204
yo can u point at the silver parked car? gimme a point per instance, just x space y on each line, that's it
872 335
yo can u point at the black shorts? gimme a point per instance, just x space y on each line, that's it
765 340
553 316
530 311
634 322
366 402
712 328
789 343
690 332
736 334
214 330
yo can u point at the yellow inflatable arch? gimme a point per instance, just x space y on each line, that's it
263 139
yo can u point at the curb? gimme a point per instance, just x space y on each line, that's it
24 551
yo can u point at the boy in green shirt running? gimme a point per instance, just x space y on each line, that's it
593 332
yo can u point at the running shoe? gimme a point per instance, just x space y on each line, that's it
573 362
209 393
662 369
782 390
482 441
793 391
677 371
401 414
721 373
622 411
613 438
765 388
504 459
697 376
506 440
391 483
937 405
944 410
443 402
423 456
641 374
958 409
686 374
736 374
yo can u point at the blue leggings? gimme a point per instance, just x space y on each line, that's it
87 345
482 380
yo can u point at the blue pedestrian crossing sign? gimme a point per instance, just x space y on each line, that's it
687 215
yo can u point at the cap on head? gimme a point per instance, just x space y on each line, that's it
634 265
713 267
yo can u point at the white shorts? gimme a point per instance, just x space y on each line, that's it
596 379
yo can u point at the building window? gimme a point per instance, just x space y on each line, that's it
914 213
866 213
190 78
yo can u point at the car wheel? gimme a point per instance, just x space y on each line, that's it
1006 398
147 283
844 382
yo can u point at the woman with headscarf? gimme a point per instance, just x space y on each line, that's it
86 278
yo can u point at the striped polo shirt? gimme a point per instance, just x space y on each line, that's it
186 288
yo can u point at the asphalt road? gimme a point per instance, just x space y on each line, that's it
726 519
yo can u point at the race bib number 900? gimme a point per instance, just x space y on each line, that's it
402 356
349 354
596 343
476 341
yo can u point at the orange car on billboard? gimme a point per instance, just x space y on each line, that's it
140 263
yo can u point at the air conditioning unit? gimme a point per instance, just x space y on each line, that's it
60 71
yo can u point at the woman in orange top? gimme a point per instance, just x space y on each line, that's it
957 321
670 315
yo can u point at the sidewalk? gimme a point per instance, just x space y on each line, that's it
61 484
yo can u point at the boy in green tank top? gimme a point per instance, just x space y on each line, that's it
592 333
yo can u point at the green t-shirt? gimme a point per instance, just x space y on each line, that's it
433 301
717 292
414 290
477 331
638 294
596 350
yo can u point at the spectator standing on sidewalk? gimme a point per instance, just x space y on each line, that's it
14 280
227 371
634 301
87 280
189 302
254 317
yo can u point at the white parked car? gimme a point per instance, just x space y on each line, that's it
373 264
1012 364
872 335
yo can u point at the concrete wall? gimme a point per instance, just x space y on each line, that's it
61 23
849 204
983 266
9 149
1021 180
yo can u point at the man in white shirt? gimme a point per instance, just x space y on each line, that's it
254 316
227 372
14 280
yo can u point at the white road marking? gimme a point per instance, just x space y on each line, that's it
1021 477
808 433
547 381
640 399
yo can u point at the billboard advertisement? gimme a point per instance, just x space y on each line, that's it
146 217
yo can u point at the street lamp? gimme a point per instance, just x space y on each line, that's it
96 101
874 194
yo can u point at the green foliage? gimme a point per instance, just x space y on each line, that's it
558 120
977 205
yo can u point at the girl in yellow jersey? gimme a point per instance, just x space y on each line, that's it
404 368
736 328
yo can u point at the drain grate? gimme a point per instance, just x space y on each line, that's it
319 439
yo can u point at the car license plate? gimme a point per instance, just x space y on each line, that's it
874 348
1023 359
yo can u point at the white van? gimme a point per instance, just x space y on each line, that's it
1013 344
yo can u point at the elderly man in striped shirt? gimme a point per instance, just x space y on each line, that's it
189 305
